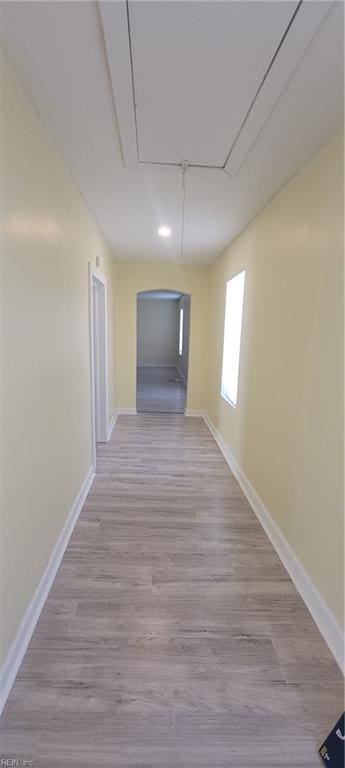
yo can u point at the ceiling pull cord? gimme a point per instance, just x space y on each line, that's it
184 168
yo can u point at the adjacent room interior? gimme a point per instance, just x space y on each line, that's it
162 351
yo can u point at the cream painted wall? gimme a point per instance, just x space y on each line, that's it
157 332
287 430
47 239
132 277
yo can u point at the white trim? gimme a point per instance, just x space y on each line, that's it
101 357
322 615
95 278
92 377
195 414
112 423
21 641
119 412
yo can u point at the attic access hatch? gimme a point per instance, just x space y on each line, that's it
196 81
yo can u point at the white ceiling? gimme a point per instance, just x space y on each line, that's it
214 58
204 93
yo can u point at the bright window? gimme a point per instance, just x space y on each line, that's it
180 336
232 336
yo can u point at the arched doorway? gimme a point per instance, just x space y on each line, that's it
163 321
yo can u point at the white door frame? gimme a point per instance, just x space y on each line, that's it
98 358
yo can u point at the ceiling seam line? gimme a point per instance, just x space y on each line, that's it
104 46
132 75
178 165
184 167
216 167
261 85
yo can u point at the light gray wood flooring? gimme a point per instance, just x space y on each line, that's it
172 636
160 390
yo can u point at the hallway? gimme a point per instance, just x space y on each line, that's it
172 636
160 390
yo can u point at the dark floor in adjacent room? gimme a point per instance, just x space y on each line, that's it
160 390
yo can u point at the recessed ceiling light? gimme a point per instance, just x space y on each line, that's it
164 231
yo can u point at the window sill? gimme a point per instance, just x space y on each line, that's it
227 400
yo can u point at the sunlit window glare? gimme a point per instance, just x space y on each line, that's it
232 336
180 337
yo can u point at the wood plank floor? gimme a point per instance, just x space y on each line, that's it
172 636
160 390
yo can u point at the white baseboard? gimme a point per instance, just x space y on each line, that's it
323 617
112 423
195 414
21 641
119 412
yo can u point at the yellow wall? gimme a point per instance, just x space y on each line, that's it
47 239
287 430
132 277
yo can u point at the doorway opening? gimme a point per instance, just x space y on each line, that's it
98 358
163 321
